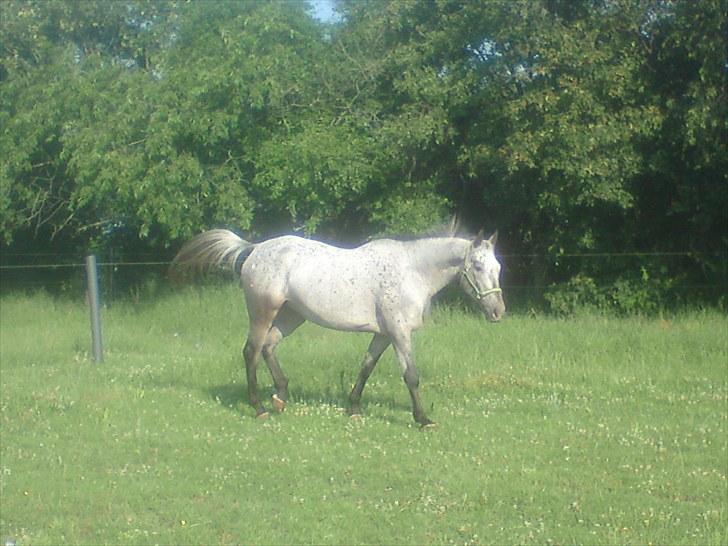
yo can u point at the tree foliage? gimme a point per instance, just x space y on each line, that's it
594 126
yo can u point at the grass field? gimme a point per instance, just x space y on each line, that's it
550 431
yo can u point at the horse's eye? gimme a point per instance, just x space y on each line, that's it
477 266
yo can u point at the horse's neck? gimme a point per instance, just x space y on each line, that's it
439 260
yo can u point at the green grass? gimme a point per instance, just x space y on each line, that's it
551 431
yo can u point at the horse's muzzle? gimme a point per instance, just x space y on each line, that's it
494 313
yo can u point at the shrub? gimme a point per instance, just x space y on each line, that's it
629 294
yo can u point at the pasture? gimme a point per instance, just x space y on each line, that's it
589 430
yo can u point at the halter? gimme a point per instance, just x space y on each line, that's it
479 294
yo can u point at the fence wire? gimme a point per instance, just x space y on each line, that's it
100 264
119 274
684 254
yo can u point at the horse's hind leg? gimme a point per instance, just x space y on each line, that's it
377 346
261 320
283 325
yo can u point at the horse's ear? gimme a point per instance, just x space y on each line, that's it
478 239
454 225
493 238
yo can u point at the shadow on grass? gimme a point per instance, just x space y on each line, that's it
231 395
235 397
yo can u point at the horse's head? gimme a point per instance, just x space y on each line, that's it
480 276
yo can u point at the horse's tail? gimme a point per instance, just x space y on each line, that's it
217 248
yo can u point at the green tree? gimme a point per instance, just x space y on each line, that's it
153 125
594 126
63 65
684 191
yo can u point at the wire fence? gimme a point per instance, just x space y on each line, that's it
119 273
64 273
80 264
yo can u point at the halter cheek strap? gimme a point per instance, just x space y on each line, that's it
478 293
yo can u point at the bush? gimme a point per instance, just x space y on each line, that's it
580 293
626 295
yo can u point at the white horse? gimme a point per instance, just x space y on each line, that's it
383 287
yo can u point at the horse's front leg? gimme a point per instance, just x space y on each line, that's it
377 346
403 348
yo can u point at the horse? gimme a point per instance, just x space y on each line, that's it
383 287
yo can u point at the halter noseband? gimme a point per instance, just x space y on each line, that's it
478 293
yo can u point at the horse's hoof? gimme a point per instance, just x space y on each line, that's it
262 416
278 403
428 426
356 417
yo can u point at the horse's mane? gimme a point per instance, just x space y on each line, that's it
437 232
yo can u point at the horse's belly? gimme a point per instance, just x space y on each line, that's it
329 306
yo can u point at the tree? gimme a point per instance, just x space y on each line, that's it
63 64
574 127
684 190
144 123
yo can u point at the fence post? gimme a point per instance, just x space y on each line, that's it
92 279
